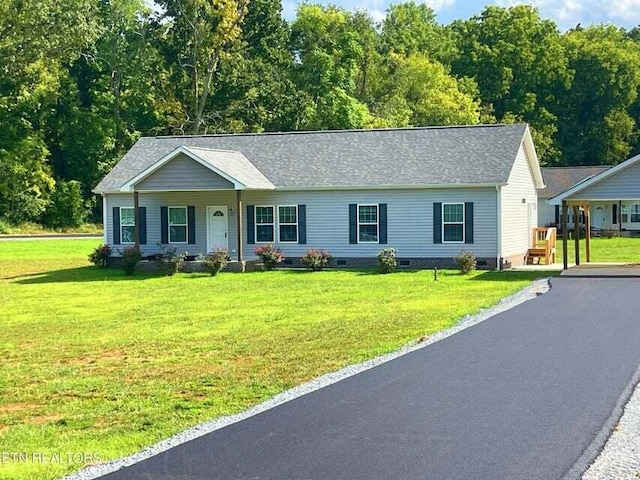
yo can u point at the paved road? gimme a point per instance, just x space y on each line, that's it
50 236
520 396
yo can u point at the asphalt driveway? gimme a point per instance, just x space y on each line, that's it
522 395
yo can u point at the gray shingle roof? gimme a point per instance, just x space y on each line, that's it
481 154
560 179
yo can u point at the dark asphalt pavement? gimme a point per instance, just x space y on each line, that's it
519 396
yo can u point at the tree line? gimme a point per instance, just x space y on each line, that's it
81 80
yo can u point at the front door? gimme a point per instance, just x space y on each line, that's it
598 218
217 228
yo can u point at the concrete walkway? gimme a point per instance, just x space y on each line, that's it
528 394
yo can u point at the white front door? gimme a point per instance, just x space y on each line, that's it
598 217
217 228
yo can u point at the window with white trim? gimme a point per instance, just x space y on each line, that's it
288 223
127 225
624 213
264 220
368 224
453 222
635 213
178 225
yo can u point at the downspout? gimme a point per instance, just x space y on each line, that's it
104 219
499 227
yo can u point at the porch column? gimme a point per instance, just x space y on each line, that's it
239 222
587 228
619 218
136 216
576 231
565 235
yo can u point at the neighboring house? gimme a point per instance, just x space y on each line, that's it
612 197
428 192
558 180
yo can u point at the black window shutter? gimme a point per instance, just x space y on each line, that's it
251 219
302 224
353 223
142 213
615 214
116 225
557 214
468 222
437 223
191 222
382 238
164 225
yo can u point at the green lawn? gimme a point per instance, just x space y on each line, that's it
604 250
95 362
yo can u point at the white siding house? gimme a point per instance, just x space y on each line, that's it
428 192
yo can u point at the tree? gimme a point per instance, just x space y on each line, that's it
594 124
519 63
202 35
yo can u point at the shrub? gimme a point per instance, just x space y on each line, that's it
270 256
171 261
68 207
130 259
466 261
387 260
316 260
101 256
216 261
5 227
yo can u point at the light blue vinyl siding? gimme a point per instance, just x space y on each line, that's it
409 219
183 173
623 185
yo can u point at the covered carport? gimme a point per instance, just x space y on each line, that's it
618 190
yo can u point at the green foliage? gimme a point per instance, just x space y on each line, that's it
68 207
130 258
466 262
171 262
101 256
5 227
316 260
387 262
216 261
270 256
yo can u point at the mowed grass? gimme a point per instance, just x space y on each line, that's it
604 250
97 363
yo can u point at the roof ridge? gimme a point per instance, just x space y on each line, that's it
318 132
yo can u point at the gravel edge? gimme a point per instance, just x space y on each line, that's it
538 287
620 457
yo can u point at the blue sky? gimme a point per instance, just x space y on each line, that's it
566 13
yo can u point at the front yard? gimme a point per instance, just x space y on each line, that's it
98 363
604 250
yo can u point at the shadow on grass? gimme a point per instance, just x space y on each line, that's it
79 274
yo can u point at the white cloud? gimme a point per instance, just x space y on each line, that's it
626 10
438 5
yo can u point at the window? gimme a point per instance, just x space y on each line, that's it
624 213
288 223
635 213
127 225
264 224
177 224
368 223
453 222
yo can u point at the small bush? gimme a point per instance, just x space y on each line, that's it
387 260
5 227
316 260
130 259
171 261
606 233
215 261
101 256
466 261
270 256
68 207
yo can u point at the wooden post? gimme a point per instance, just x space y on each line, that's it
619 218
587 228
576 231
565 235
136 216
239 222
